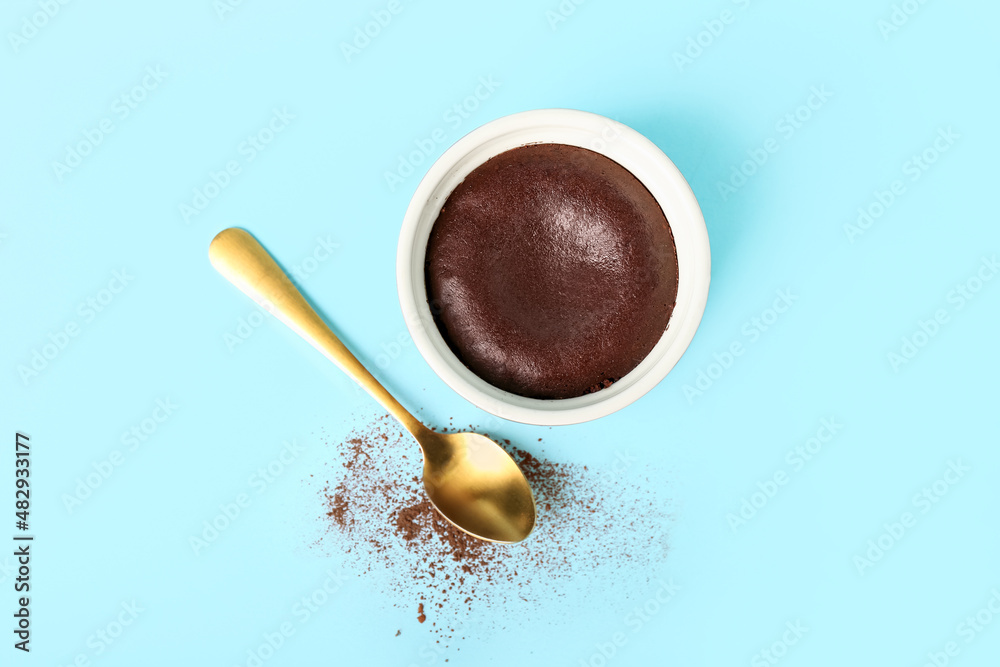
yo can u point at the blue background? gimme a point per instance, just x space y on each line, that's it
323 176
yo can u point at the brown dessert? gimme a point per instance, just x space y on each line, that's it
551 271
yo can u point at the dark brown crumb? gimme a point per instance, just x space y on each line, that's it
604 384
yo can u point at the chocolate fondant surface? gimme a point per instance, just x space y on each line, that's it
551 271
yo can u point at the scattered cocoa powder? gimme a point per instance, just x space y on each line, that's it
589 526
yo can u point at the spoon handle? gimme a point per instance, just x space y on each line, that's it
243 261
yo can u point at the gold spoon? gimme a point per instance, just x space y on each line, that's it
469 478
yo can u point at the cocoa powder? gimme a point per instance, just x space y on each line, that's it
377 516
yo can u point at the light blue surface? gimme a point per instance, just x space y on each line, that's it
323 177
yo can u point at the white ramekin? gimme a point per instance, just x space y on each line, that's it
631 150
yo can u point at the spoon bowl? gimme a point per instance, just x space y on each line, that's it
477 486
469 478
